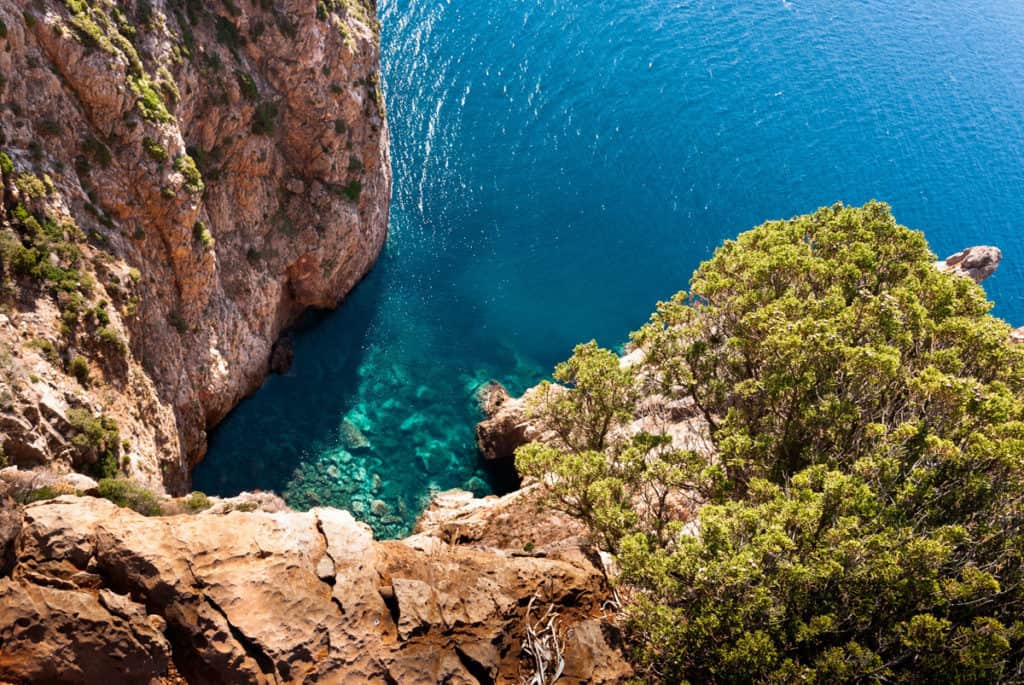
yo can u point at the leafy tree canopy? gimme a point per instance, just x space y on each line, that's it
863 518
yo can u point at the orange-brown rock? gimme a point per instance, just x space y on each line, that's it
209 170
281 598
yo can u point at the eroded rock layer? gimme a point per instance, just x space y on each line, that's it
98 593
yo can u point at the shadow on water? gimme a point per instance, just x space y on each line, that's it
559 167
375 415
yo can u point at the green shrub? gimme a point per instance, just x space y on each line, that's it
31 185
352 190
247 85
38 495
265 119
125 493
79 368
178 321
110 337
227 34
197 501
95 148
97 440
149 102
6 164
186 166
155 150
50 127
46 348
202 234
863 517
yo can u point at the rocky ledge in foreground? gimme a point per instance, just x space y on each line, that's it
90 592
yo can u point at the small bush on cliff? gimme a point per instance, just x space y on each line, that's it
155 150
864 518
78 367
265 119
125 493
97 440
196 502
186 166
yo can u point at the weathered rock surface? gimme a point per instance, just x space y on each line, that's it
977 263
203 172
102 594
506 426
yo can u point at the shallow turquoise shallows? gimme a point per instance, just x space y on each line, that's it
560 166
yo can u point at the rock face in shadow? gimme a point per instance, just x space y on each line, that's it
506 426
280 598
179 182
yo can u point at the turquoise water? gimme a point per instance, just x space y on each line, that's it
561 166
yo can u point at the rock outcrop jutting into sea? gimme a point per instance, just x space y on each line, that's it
180 181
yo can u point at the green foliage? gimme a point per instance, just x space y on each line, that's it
197 501
78 367
46 348
352 190
97 439
149 102
50 127
125 493
6 164
31 185
265 119
227 34
168 86
186 166
96 149
110 337
864 517
202 234
247 85
37 495
596 394
178 321
155 150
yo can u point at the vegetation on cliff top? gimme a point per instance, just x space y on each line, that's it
862 516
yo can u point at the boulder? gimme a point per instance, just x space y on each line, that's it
977 263
506 426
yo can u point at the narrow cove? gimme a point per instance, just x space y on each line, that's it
558 169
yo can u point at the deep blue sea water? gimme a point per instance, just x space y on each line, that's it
561 166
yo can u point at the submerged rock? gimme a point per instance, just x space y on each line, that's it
352 437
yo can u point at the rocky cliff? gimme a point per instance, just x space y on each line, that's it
90 592
180 180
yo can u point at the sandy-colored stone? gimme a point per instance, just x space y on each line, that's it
286 597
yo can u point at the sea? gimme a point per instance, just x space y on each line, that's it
561 166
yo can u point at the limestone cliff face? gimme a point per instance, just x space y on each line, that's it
180 180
